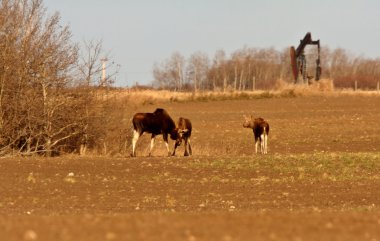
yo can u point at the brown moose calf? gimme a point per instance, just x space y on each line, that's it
184 133
260 132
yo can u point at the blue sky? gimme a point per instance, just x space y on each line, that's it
141 32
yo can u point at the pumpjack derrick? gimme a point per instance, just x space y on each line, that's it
298 61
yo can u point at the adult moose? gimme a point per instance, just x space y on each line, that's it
157 123
184 133
260 132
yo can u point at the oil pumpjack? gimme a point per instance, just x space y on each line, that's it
298 61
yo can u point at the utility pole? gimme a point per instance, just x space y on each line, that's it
104 65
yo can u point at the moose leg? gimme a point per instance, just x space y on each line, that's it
265 143
136 136
186 152
152 144
256 144
190 151
175 147
166 143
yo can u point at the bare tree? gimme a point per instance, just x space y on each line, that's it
240 59
169 74
89 65
36 71
91 71
197 70
219 67
260 68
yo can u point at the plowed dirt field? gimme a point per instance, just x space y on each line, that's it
319 181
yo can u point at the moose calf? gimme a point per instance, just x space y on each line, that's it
260 131
184 132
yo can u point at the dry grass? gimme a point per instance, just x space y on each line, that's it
123 103
146 97
282 90
322 86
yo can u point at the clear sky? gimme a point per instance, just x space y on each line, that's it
139 33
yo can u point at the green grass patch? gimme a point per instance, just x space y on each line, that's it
315 166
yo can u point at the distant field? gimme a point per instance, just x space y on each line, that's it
320 180
345 123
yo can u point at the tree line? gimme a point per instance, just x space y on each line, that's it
260 68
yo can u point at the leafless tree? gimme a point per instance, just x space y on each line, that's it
37 60
219 68
169 74
91 67
197 69
260 68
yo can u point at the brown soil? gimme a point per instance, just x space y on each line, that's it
225 191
